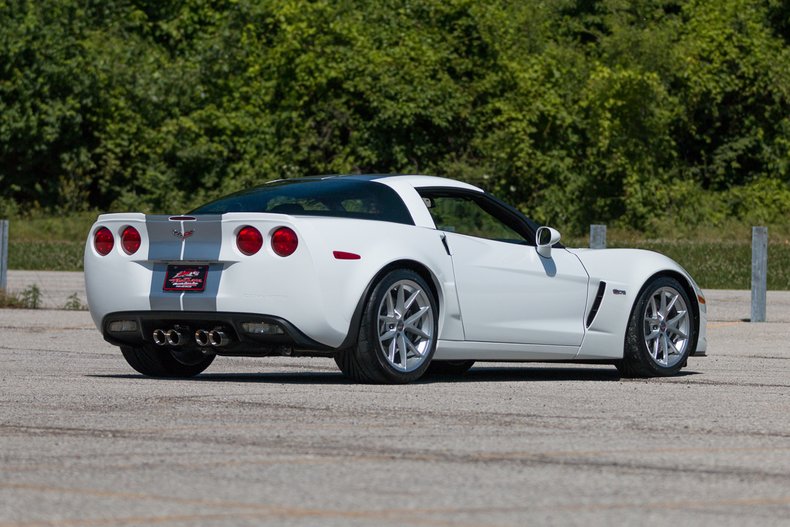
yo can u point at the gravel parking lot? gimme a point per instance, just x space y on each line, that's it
84 441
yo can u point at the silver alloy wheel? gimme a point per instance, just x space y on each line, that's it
405 325
666 327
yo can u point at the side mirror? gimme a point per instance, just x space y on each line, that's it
544 239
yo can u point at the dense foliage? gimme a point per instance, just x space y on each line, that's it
635 113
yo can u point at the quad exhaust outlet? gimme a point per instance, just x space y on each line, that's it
218 338
202 338
175 337
160 338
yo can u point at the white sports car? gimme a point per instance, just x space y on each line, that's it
392 276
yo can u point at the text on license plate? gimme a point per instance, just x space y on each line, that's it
185 278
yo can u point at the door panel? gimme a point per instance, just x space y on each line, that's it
509 293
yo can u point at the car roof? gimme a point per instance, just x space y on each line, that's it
414 180
419 181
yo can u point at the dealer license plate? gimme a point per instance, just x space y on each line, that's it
185 278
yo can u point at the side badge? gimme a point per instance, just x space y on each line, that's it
618 291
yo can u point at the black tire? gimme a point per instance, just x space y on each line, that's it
449 367
652 339
368 361
160 362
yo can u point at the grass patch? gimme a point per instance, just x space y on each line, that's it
30 298
46 256
43 228
723 265
10 300
717 257
48 243
73 303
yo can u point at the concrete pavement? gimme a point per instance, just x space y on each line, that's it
85 441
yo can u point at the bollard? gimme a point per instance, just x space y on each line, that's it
597 236
759 272
3 255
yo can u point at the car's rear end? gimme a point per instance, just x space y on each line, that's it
232 281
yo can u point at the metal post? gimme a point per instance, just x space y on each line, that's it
597 236
759 272
3 255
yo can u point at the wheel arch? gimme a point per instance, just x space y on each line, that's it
690 292
405 263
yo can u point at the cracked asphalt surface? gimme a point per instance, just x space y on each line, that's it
84 441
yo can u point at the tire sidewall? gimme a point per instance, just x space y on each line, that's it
635 348
370 326
155 362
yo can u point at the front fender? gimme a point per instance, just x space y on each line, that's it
625 272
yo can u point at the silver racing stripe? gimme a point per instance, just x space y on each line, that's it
184 241
206 300
204 243
162 300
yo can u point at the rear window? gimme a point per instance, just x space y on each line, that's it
337 197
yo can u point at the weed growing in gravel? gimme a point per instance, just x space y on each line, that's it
8 299
73 303
29 298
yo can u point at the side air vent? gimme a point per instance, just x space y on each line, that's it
596 303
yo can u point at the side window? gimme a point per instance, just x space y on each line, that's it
464 215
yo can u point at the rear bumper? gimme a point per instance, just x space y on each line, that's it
242 341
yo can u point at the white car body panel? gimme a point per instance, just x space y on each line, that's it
502 351
497 301
508 293
625 270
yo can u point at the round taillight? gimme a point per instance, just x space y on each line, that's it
284 241
130 240
249 240
103 241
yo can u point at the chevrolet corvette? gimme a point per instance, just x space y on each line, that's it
391 275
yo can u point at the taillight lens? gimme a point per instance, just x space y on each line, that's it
249 240
284 241
130 240
103 241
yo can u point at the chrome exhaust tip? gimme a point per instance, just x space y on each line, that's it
218 338
202 338
175 338
160 337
